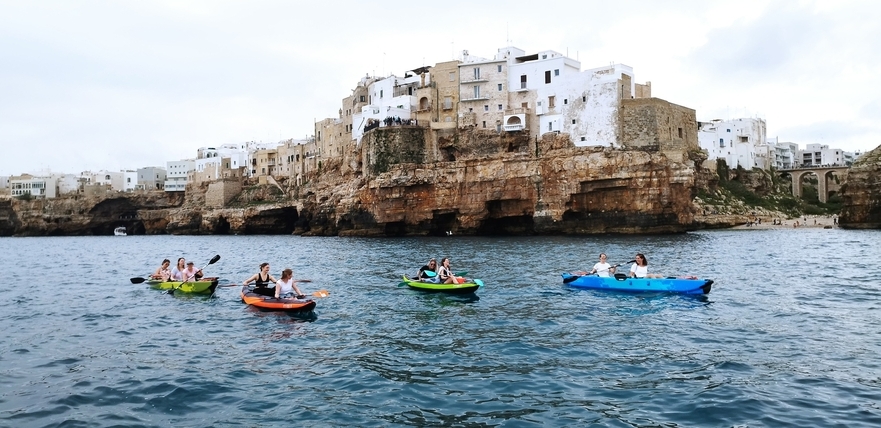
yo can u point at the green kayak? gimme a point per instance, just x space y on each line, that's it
203 286
462 288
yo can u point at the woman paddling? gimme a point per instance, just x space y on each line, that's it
261 280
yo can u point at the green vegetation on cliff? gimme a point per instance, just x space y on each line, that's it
740 190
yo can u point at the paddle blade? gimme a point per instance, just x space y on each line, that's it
463 273
214 259
321 293
137 280
429 273
569 279
478 282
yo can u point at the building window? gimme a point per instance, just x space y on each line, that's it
565 101
477 73
583 139
721 142
550 126
486 107
583 99
680 132
573 121
361 99
448 103
548 76
500 107
477 92
484 124
380 93
557 72
500 86
728 130
522 81
544 56
551 100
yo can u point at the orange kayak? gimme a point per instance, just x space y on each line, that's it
273 304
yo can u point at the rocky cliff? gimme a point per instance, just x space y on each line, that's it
396 183
861 193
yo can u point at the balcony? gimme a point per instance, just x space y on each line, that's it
514 122
480 98
477 80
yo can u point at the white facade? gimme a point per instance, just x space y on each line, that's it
42 186
209 159
114 179
67 183
784 156
822 155
152 178
176 173
130 180
544 92
392 97
736 141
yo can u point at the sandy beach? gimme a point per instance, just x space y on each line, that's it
810 221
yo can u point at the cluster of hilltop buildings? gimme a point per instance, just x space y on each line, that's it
512 92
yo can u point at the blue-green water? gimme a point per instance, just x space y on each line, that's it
789 335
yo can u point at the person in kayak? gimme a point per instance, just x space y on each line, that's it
191 273
445 274
261 280
177 274
640 269
601 268
423 274
287 286
162 272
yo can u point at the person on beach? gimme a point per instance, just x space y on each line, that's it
162 272
640 269
261 281
286 286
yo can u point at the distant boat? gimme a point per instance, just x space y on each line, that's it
119 231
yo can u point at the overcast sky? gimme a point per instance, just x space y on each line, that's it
90 85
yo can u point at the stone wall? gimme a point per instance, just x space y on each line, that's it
655 124
221 192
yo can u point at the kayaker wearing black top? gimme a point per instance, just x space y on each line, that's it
261 280
430 267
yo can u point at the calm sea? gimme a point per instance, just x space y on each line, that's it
789 336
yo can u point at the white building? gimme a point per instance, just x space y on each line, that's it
392 97
784 154
736 141
130 180
176 173
544 92
822 155
209 162
115 180
38 186
152 178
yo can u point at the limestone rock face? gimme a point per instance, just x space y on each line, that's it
394 185
566 189
861 193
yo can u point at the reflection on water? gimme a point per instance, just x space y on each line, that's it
787 334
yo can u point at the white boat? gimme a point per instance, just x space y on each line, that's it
119 231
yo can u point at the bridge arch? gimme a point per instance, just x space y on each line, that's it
823 174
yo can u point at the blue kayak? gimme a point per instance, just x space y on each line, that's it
621 282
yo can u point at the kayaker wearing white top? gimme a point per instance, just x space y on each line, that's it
602 268
286 285
640 269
